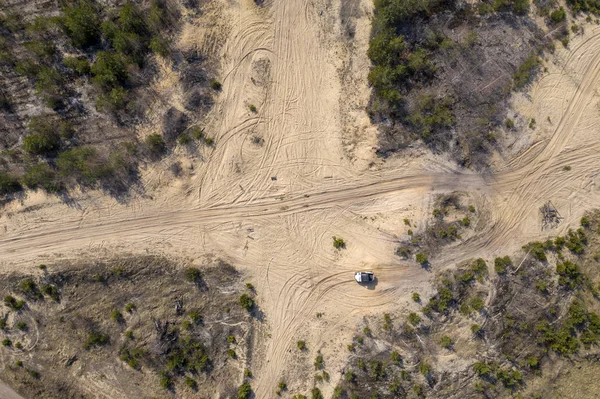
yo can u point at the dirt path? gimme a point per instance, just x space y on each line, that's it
7 393
280 230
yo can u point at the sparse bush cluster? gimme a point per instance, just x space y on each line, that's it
104 51
415 80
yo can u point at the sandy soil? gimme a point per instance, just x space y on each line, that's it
285 60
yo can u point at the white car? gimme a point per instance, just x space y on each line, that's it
364 277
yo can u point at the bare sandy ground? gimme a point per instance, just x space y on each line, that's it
285 59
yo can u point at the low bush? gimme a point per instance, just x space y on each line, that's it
446 342
95 339
338 243
421 258
155 144
9 184
501 264
246 302
525 71
244 391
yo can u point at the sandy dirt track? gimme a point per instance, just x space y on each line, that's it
285 60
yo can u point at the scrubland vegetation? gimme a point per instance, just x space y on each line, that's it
519 322
85 68
165 329
430 71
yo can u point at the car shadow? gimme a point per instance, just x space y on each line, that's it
371 284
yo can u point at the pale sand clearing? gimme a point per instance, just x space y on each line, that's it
279 231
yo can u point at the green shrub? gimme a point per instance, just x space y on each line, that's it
387 322
252 108
465 222
477 303
301 345
525 71
570 275
116 316
6 342
82 23
193 275
482 369
246 302
82 163
195 316
244 391
319 363
51 291
155 144
191 383
395 357
315 393
14 304
425 368
446 342
542 286
500 264
30 289
421 258
416 297
41 144
215 85
95 339
41 48
184 139
9 184
21 326
414 318
159 46
165 381
585 221
338 243
113 101
40 175
476 329
79 65
559 15
109 71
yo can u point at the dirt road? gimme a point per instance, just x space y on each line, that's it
7 393
279 184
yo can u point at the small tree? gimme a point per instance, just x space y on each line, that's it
82 24
191 383
155 144
414 318
193 275
319 363
246 302
338 243
585 222
244 391
116 316
446 342
215 85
